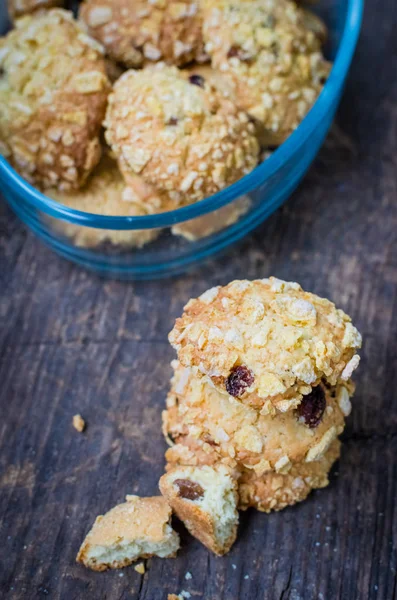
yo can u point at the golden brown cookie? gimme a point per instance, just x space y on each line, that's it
19 8
275 491
145 31
176 142
105 193
139 528
205 499
53 95
270 54
267 342
198 416
217 220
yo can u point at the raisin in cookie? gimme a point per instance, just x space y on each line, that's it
145 31
105 193
53 94
270 54
267 342
198 416
205 499
175 141
139 528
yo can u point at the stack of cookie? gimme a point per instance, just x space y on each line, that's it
261 388
259 396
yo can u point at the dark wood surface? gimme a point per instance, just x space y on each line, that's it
73 343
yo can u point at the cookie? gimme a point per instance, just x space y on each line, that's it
175 141
205 499
19 8
199 416
105 193
267 342
217 220
146 31
270 53
139 528
275 491
53 96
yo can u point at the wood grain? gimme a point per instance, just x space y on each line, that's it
70 342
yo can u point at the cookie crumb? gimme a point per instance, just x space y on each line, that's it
188 575
140 568
78 423
174 597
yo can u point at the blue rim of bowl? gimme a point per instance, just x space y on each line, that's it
245 185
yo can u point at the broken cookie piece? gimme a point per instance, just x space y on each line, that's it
205 499
138 528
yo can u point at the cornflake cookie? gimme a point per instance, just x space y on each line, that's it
275 491
217 220
205 499
146 31
270 53
220 427
18 8
53 94
105 193
266 342
176 142
139 528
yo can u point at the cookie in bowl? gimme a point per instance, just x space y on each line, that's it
176 141
270 53
143 31
105 193
53 95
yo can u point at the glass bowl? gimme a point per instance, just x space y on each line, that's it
184 237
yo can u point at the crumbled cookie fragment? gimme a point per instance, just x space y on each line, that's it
105 193
139 528
140 568
53 97
78 423
205 499
145 31
175 142
287 338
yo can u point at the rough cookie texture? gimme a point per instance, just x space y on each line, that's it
221 427
18 8
105 193
270 53
288 339
53 94
275 491
139 528
205 499
146 31
176 142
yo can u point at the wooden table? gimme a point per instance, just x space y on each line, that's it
73 343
